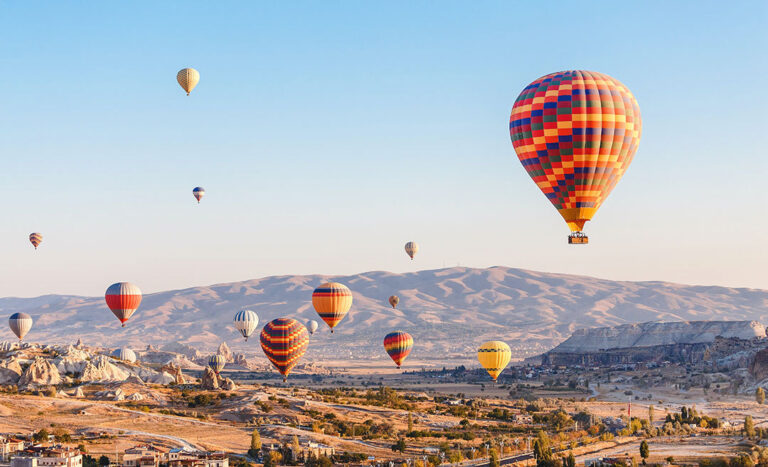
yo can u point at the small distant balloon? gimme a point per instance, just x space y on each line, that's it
411 248
20 324
312 326
36 239
246 322
494 356
188 79
394 300
398 345
123 298
216 363
198 192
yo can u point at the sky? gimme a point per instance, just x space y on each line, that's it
328 134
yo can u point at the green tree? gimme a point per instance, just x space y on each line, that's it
494 458
255 444
89 461
410 422
644 450
650 414
569 461
41 436
760 395
749 426
104 461
399 446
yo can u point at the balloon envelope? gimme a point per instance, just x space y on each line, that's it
123 298
494 356
398 345
36 239
311 326
411 248
188 79
216 363
575 132
284 341
332 301
246 322
125 354
394 300
20 324
198 192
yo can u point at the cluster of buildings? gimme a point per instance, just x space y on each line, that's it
15 451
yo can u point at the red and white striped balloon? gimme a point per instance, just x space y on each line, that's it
123 298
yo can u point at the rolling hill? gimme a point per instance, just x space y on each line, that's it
448 311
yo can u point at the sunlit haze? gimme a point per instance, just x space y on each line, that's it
328 134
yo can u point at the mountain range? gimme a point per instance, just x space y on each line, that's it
449 312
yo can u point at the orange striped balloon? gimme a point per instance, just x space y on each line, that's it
36 239
284 341
398 345
332 301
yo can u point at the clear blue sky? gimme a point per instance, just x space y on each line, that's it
327 134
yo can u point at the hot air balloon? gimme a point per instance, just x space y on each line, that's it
36 239
411 248
198 193
394 300
20 324
123 298
246 322
398 345
312 326
125 354
216 363
188 79
284 341
575 133
494 356
332 302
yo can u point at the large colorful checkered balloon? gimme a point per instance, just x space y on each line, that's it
576 133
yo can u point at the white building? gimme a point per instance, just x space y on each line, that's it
56 456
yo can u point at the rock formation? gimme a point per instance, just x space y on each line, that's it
210 380
183 349
225 352
10 371
227 384
656 333
40 373
101 369
758 368
174 370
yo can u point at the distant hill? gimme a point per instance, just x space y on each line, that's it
448 311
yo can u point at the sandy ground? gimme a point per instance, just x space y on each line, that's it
679 448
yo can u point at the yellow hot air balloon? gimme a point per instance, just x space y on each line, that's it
188 79
494 356
332 301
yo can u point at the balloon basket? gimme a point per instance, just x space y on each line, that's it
578 238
